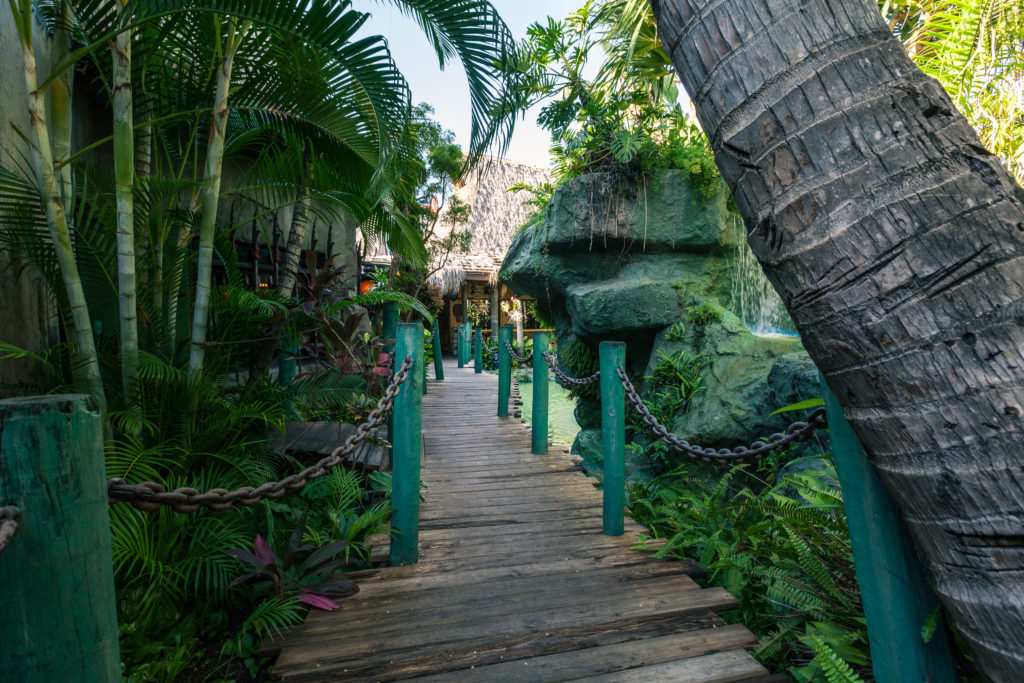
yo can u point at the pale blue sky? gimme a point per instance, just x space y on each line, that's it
447 91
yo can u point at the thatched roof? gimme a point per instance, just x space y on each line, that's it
495 217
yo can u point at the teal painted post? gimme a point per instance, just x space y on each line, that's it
613 436
478 351
389 323
406 445
896 597
460 348
504 369
58 611
287 366
539 431
438 363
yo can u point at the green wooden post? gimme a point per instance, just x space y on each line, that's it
460 348
539 425
438 350
58 616
613 436
388 326
896 597
287 365
504 369
478 351
406 445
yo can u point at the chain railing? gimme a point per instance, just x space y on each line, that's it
522 360
564 378
150 496
9 518
796 433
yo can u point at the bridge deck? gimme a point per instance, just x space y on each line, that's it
515 580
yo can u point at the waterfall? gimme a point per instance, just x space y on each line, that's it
754 300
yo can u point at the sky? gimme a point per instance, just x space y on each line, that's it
447 91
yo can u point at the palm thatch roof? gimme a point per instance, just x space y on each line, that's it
496 215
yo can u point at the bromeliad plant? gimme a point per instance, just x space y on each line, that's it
303 572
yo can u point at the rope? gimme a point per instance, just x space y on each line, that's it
565 379
9 518
149 496
522 360
797 432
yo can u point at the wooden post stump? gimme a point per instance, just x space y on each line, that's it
504 369
407 446
539 431
58 617
613 436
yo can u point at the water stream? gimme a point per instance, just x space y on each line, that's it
754 300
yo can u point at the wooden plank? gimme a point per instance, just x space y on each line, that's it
604 659
721 667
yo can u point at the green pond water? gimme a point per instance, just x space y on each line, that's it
562 427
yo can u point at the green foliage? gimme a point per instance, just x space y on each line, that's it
677 378
783 551
580 360
704 313
677 332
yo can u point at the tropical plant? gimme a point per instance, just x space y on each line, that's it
911 193
783 551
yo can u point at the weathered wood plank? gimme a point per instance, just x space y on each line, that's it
722 667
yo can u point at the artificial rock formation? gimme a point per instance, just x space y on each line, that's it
612 261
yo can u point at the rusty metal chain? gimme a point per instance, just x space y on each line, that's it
565 379
9 518
797 432
522 360
149 496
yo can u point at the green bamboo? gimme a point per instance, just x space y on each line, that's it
539 422
504 369
211 198
478 351
58 611
88 367
613 436
894 591
438 361
405 457
287 365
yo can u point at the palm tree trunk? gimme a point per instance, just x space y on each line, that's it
297 234
124 181
897 242
211 196
56 217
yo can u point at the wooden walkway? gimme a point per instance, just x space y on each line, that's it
515 580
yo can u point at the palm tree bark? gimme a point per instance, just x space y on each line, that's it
86 361
124 183
297 234
210 201
897 242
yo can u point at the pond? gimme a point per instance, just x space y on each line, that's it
562 427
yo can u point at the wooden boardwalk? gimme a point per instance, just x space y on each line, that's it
515 580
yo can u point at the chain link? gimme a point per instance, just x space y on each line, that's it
565 379
9 518
149 496
522 360
797 432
